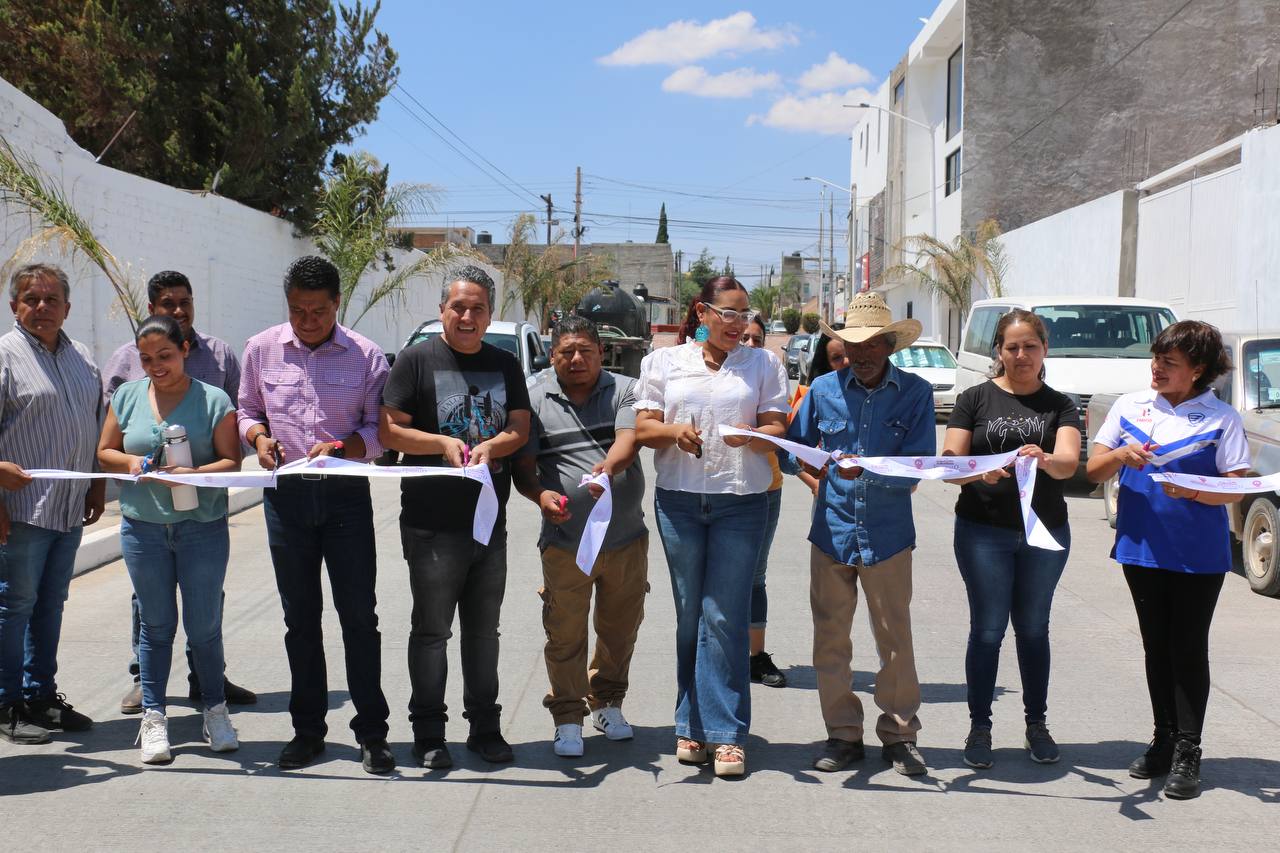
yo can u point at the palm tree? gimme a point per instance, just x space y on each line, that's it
550 278
763 299
25 186
355 229
951 269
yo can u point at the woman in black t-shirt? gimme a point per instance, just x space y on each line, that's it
1006 577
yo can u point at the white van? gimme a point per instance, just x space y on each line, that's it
1097 344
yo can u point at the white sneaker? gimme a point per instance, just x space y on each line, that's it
154 735
218 729
568 740
610 721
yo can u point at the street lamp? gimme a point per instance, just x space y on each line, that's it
853 196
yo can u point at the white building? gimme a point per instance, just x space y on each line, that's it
906 162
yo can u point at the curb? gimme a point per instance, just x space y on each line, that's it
103 546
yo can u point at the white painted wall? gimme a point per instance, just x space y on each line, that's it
1257 261
235 256
1075 252
1186 247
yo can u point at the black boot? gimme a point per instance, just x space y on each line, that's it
1184 779
1158 758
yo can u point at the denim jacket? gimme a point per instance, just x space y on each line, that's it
867 519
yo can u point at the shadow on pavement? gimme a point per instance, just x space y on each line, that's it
802 677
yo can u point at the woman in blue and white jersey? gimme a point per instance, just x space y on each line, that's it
1174 543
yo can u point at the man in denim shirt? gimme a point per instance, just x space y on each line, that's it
862 531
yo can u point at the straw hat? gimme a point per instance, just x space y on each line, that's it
868 316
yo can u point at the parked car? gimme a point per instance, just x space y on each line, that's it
797 352
520 339
1253 388
777 327
936 365
1097 345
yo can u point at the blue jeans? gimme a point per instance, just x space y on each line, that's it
35 574
759 594
1008 579
328 522
161 559
712 543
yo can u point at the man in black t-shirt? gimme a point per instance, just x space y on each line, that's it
455 400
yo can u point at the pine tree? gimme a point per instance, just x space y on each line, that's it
662 225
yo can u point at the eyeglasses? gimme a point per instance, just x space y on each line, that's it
728 315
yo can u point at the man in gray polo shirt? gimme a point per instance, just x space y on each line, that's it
211 361
583 423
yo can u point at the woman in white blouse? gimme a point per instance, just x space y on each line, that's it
711 508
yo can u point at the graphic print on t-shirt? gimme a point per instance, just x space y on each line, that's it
1028 430
471 406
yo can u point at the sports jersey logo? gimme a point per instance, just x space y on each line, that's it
1195 417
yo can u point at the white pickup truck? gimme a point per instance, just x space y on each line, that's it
1097 344
1254 389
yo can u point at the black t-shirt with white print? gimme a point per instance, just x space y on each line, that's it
1000 422
464 395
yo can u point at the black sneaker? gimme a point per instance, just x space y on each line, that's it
838 754
56 714
906 759
376 756
492 746
432 753
1158 758
15 729
1184 777
764 672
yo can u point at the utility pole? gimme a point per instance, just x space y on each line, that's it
831 264
577 216
821 213
853 239
550 209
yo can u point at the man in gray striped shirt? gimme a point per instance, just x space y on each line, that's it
50 410
584 424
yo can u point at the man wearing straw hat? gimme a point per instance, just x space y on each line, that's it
862 531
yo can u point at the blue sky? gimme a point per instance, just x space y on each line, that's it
712 108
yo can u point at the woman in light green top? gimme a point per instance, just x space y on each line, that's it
166 549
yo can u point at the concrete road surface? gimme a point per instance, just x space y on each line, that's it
89 792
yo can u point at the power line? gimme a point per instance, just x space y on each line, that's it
465 144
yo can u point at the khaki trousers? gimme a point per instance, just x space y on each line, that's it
833 595
620 580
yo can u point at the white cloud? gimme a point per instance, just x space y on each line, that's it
682 42
835 73
738 83
823 113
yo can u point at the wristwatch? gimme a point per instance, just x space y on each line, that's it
339 450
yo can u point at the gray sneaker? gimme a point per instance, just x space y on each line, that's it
977 748
1041 745
905 757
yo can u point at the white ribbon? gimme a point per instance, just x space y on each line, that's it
1222 485
931 468
486 506
597 523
